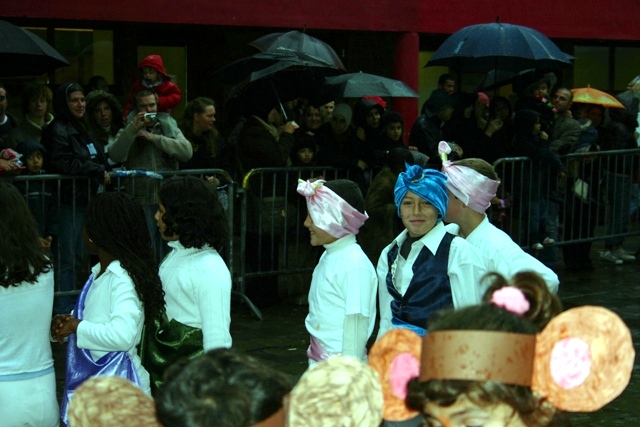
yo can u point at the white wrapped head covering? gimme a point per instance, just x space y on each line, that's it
471 187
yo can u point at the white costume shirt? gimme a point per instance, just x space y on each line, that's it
343 284
25 312
465 269
197 287
113 318
27 378
502 255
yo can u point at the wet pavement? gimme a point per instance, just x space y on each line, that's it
280 339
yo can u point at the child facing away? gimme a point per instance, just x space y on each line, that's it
195 279
425 268
471 185
150 74
38 194
343 287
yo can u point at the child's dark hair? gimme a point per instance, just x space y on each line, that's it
525 120
543 305
534 410
222 388
193 212
115 222
22 258
349 191
398 158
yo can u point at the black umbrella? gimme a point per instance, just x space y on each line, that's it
498 78
265 64
273 77
295 41
274 86
22 53
357 85
498 46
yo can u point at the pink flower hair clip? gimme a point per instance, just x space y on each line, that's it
511 299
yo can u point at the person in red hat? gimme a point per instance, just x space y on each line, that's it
150 74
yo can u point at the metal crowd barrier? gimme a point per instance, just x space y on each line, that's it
44 194
600 188
268 240
271 230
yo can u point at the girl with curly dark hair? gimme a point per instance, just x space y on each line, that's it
27 378
122 294
104 118
195 278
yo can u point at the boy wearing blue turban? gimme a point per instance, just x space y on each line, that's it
425 269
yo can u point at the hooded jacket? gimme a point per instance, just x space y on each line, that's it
169 94
71 151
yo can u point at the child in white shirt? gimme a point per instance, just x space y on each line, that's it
343 287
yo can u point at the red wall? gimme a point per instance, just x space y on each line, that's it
590 19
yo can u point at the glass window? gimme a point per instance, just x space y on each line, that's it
627 66
89 52
591 67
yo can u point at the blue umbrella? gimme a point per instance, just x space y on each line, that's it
498 46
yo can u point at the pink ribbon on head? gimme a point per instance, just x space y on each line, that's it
474 189
330 212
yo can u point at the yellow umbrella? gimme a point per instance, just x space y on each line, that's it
589 95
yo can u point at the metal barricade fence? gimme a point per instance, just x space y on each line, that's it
271 227
596 200
59 203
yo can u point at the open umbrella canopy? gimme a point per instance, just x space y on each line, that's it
498 78
267 63
498 46
295 41
22 53
357 85
275 84
589 95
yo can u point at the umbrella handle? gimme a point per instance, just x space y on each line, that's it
284 113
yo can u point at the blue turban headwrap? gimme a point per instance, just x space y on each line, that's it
429 184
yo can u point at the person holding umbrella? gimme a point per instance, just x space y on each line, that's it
264 141
426 132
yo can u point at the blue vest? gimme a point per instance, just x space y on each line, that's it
429 289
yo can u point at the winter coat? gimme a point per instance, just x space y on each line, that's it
169 94
71 151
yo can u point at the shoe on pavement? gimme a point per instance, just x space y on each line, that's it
608 256
537 246
623 255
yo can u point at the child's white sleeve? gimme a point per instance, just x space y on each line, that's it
355 335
